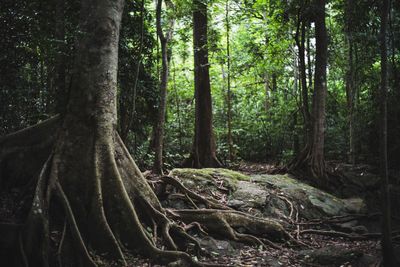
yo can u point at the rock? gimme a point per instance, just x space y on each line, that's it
268 195
330 255
251 194
360 175
223 179
218 247
236 204
312 202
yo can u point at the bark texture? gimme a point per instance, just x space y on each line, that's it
85 185
204 147
311 159
162 107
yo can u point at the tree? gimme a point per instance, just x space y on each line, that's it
204 148
300 39
389 258
228 93
82 165
60 64
162 107
351 87
312 157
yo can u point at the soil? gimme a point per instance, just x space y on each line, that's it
317 249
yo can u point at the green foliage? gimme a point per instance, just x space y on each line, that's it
267 120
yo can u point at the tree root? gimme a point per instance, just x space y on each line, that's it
190 195
345 235
227 223
76 234
107 207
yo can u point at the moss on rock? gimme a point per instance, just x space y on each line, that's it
209 176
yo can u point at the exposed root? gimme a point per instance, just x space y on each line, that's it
345 235
197 225
210 203
60 246
107 207
76 234
339 219
227 223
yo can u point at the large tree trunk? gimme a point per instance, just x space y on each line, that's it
89 170
311 159
320 88
204 147
88 188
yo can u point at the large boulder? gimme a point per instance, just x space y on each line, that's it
267 195
311 202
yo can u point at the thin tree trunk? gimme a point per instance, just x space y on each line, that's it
309 61
162 107
229 97
350 80
296 143
300 42
177 103
60 60
389 258
350 95
130 107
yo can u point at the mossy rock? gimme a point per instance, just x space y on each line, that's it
208 177
312 201
261 193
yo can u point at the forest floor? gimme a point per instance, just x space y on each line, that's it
340 240
326 247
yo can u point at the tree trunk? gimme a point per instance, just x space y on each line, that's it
127 102
60 83
204 147
300 42
350 95
90 201
159 127
311 160
104 197
350 80
389 258
317 150
229 97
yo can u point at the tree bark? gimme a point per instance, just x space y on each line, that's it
320 88
103 196
88 193
162 108
389 258
229 97
60 82
204 147
300 42
311 159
